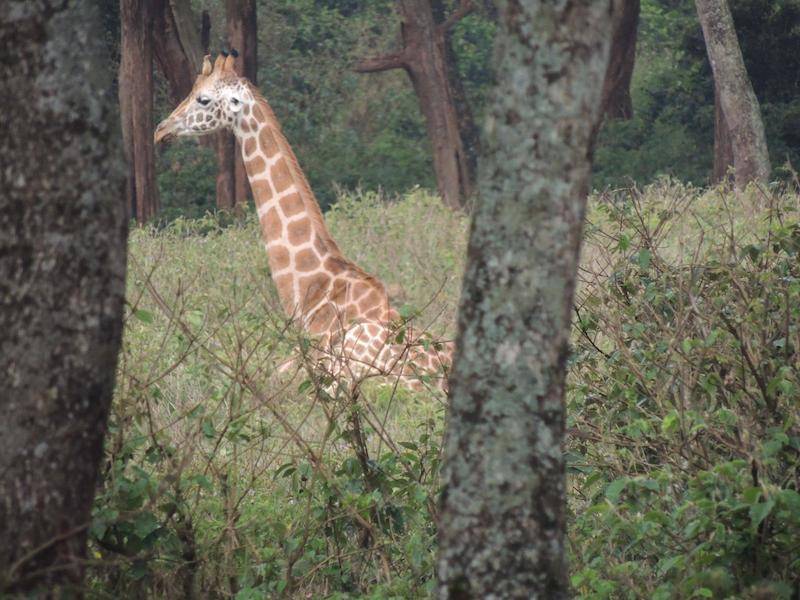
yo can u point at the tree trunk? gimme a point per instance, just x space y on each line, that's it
502 525
242 34
723 151
468 130
617 102
737 99
62 282
136 106
179 52
177 46
424 56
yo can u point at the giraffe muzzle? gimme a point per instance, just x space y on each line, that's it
165 131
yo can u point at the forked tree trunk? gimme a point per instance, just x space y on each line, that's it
62 282
242 35
502 526
180 49
736 96
424 56
136 106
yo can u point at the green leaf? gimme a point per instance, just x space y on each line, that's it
703 593
670 422
145 316
644 259
208 428
202 481
145 524
614 489
759 512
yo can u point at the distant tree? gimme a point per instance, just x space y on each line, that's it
617 103
181 40
426 55
242 35
502 527
62 282
740 110
136 106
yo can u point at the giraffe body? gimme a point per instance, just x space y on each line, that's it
331 297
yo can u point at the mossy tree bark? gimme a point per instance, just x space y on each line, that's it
62 282
502 527
737 99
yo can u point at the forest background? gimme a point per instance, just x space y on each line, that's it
352 130
223 476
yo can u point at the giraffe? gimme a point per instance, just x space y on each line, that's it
329 296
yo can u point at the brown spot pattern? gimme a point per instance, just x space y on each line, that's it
292 205
278 258
323 319
335 265
262 190
258 113
299 231
313 289
320 244
372 298
284 285
255 166
281 178
339 294
272 224
375 313
249 146
306 260
269 146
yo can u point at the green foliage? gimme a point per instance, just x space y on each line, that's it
684 398
672 132
226 476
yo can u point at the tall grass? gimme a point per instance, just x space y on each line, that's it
227 476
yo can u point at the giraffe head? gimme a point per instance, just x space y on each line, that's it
215 102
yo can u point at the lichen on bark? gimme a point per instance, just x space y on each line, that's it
503 505
62 274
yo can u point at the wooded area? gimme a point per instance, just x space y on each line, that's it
664 115
514 312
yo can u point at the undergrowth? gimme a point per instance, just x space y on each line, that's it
226 476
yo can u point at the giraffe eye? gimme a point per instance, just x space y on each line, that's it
235 100
203 100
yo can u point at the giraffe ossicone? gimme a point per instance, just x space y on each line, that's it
331 297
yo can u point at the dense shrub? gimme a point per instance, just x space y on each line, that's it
684 398
226 478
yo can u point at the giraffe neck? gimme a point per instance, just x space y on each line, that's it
315 282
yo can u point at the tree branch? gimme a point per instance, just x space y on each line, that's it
381 63
465 7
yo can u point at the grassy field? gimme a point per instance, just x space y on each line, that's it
226 478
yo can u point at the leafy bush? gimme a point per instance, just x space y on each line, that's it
226 477
684 396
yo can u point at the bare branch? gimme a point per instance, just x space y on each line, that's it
465 7
381 63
